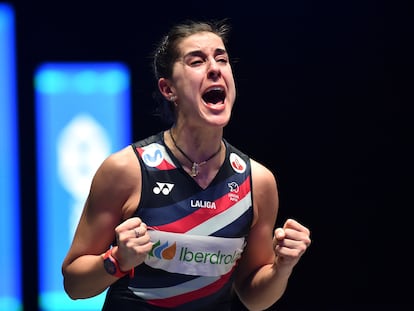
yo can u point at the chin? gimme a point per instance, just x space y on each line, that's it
219 121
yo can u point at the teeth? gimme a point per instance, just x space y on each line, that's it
216 89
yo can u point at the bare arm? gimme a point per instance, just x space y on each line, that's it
270 255
113 196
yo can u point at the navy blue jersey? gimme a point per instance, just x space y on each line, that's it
198 234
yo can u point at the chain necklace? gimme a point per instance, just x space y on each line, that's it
195 165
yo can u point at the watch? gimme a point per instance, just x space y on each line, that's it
111 265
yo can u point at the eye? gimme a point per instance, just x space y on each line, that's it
223 60
196 62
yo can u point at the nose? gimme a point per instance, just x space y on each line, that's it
213 70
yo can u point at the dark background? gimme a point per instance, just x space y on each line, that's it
324 100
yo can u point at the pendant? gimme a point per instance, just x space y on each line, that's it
194 170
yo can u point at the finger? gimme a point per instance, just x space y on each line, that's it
296 237
280 234
140 231
129 224
293 224
137 234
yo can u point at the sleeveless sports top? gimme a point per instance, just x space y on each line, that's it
198 234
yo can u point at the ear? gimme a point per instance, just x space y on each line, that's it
166 89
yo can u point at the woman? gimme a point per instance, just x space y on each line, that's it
182 219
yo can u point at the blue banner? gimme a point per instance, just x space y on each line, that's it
82 115
10 279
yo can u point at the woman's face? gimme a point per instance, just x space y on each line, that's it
203 82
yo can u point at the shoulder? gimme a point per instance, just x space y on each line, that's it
120 161
121 165
262 176
233 149
265 194
116 184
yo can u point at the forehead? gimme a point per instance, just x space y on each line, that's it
201 41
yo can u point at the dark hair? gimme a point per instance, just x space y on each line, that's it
166 54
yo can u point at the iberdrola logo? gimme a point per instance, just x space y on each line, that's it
163 251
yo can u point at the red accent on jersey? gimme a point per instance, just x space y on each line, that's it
203 214
194 295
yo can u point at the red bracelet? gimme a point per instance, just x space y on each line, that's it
112 265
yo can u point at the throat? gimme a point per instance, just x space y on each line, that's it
194 165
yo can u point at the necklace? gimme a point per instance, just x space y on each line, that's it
195 165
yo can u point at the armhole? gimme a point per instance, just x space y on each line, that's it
134 148
251 190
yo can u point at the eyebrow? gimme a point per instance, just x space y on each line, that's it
218 51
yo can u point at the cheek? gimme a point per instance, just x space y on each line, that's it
231 91
231 85
188 81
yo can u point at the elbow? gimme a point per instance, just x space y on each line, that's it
71 295
78 283
75 292
77 289
255 306
256 302
70 290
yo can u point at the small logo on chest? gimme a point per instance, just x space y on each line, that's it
163 187
203 204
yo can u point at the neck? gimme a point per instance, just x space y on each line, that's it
194 165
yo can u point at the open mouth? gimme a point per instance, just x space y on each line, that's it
214 96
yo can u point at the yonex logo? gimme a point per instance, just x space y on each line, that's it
164 188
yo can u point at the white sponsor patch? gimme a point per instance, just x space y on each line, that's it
193 254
